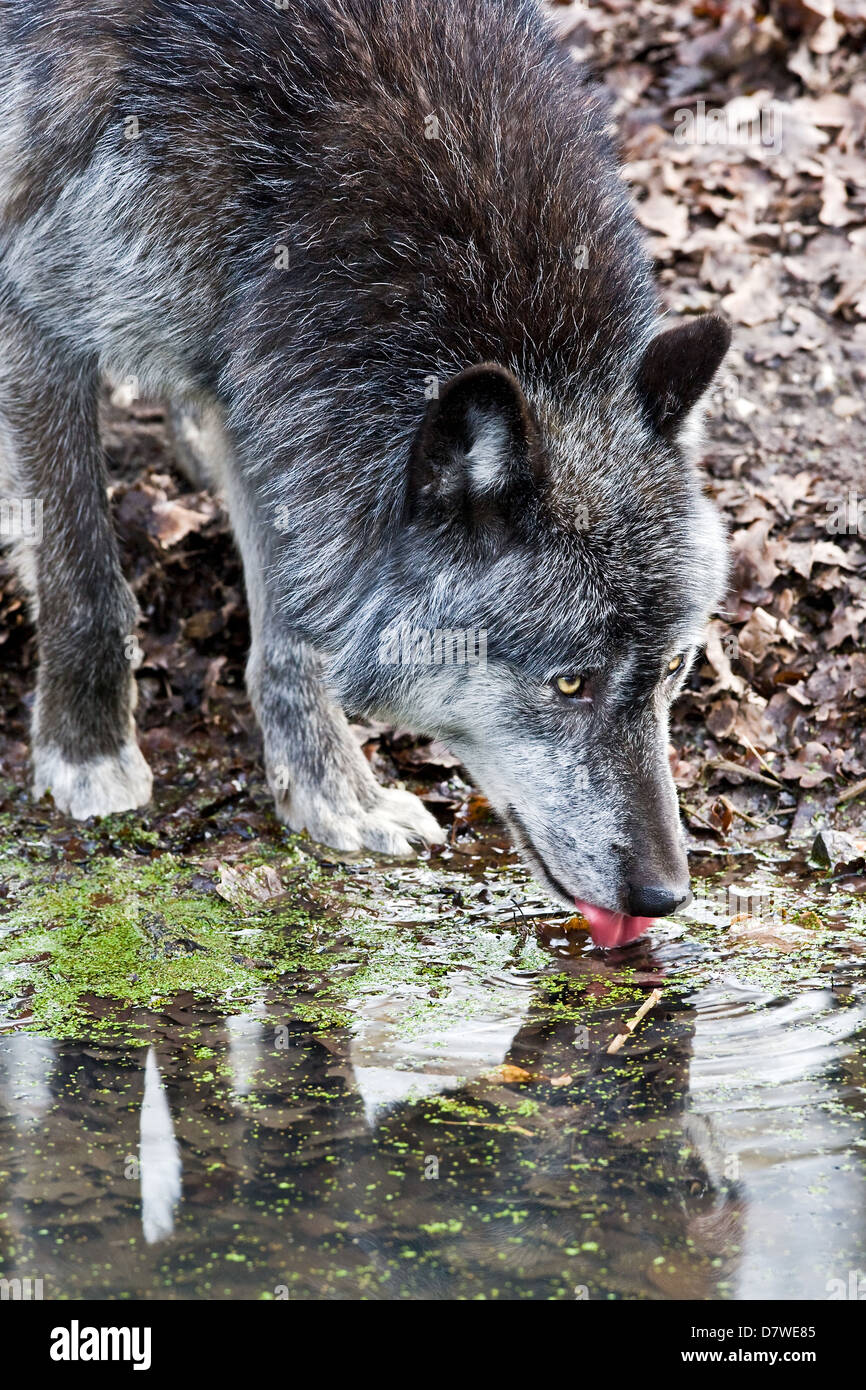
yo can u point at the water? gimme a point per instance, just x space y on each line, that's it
461 1131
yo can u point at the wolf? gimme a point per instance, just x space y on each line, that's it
381 256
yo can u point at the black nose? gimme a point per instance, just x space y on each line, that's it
655 900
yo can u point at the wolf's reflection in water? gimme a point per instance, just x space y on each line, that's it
715 1156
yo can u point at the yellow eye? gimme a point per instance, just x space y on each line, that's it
569 685
675 664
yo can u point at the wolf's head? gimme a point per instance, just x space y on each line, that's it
561 562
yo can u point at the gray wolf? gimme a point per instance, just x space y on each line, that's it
380 252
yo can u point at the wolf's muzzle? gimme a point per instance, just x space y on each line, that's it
656 900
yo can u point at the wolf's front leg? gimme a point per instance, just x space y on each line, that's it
319 776
320 779
84 747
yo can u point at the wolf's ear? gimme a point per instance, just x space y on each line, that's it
678 366
475 453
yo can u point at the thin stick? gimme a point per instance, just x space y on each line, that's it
693 811
851 792
632 1023
726 765
735 811
480 1124
761 759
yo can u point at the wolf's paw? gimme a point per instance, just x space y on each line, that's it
395 820
99 787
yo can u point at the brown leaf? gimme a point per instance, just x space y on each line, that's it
508 1074
810 767
243 886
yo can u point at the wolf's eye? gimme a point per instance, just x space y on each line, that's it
674 666
569 685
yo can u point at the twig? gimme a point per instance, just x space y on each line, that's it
761 759
481 1124
488 915
632 1023
850 792
735 811
693 811
726 765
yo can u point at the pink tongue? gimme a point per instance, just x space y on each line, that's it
612 928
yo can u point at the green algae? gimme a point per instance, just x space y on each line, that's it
133 934
101 928
97 942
